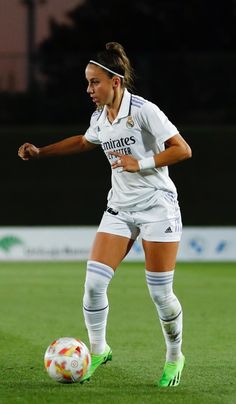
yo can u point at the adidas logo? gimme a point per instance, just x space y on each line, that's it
168 230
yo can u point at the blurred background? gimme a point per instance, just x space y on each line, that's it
184 56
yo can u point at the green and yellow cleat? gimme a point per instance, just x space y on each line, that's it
97 360
172 373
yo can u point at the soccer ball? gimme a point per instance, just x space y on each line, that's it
67 360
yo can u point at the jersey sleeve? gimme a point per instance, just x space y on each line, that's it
154 121
91 133
92 136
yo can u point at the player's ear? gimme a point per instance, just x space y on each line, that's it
116 82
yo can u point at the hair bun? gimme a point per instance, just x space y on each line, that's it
115 47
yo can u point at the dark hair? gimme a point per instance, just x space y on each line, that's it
115 58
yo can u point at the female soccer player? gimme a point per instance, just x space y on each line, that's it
140 143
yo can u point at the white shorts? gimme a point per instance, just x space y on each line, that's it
159 223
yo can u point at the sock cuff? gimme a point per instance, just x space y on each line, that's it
159 278
99 268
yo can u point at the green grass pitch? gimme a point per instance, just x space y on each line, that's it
42 301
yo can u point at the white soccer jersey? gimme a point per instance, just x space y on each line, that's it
144 137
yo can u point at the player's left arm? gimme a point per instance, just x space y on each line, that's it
177 149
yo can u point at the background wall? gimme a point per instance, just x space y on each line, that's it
72 190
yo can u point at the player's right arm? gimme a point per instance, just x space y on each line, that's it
71 145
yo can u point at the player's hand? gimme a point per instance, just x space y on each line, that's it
124 163
28 151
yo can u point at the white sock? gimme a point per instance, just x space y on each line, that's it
169 310
95 304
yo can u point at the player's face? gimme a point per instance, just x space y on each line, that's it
100 85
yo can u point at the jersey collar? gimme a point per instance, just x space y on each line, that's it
124 108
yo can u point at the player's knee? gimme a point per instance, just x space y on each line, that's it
159 298
93 290
98 277
94 293
166 302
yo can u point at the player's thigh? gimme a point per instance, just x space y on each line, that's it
110 249
160 256
160 242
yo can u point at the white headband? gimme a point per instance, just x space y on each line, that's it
106 68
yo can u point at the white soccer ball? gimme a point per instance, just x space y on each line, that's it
67 360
